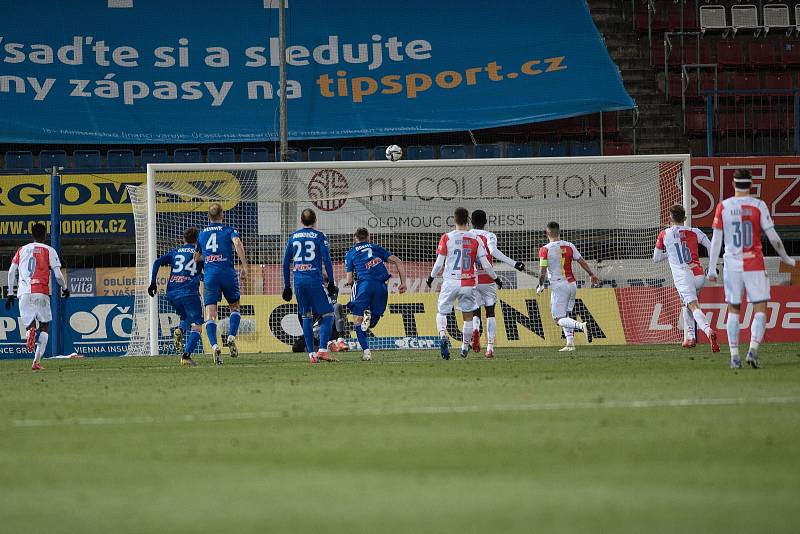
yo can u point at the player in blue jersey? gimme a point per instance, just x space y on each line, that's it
307 250
366 262
183 292
215 245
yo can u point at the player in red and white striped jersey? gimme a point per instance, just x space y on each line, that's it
486 290
678 245
555 262
457 254
739 221
33 262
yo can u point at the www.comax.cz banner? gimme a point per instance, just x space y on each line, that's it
208 71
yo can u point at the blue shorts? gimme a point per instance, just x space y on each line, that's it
312 299
188 308
214 287
369 295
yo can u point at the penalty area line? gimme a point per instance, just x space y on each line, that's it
403 410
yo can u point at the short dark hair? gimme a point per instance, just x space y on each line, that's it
479 219
39 231
742 179
677 213
190 235
461 216
553 228
308 217
215 211
362 234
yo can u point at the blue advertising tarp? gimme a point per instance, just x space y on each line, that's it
142 71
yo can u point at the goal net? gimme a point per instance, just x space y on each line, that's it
612 208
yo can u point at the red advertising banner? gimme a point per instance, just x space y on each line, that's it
652 313
776 180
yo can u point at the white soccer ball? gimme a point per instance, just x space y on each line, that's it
394 153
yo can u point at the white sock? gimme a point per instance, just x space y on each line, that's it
476 322
41 345
569 333
311 355
491 330
688 324
466 335
733 334
699 316
757 331
441 324
567 322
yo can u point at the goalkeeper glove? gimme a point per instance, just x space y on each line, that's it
333 291
10 300
287 294
429 281
499 283
65 293
152 290
519 266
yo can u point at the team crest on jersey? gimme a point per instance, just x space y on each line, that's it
324 186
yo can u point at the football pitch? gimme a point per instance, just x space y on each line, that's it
605 439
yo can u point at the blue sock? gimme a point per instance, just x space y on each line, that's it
191 343
183 325
325 331
308 333
363 338
233 324
211 330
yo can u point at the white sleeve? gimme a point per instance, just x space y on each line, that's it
575 254
658 255
437 267
487 267
60 278
495 252
12 278
766 218
55 263
703 239
777 244
716 248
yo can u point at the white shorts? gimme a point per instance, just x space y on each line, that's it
562 298
453 291
34 307
755 283
486 294
688 286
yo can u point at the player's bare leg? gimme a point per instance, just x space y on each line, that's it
466 334
41 345
211 331
475 342
702 324
233 329
689 330
444 343
732 327
757 329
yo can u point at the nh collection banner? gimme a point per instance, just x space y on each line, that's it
146 71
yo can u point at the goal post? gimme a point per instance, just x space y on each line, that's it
611 207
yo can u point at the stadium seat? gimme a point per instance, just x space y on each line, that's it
187 155
778 81
617 148
696 122
420 152
730 54
776 17
323 153
86 159
583 148
641 19
765 120
732 121
379 153
762 54
661 19
518 150
292 154
19 159
744 17
553 150
153 155
713 18
453 152
354 153
790 52
486 151
220 155
255 155
50 158
120 159
745 81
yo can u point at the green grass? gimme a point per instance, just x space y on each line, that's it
533 441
